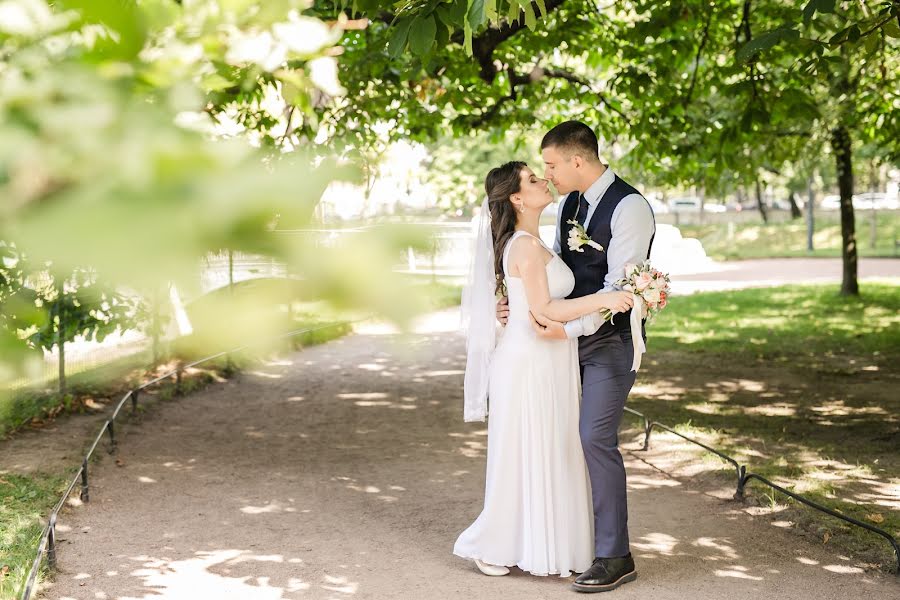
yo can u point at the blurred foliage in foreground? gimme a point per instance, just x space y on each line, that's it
136 137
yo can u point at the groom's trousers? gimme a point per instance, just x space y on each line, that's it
606 379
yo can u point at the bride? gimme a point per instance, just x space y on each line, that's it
538 513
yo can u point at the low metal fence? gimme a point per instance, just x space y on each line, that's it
47 543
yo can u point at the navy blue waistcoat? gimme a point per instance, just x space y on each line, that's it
590 267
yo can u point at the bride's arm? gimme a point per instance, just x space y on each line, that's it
527 259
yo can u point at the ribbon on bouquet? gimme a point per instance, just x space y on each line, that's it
637 336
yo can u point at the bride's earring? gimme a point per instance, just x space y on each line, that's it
521 208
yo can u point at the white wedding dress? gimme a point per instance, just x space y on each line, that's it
537 512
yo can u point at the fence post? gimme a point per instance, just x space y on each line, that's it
51 542
178 381
134 401
110 428
742 480
85 493
648 427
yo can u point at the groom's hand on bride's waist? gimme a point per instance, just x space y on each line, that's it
503 310
547 328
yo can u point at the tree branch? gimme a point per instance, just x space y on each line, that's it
690 93
484 44
745 24
538 73
573 78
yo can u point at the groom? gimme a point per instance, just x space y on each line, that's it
616 216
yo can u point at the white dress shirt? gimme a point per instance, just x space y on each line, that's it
632 226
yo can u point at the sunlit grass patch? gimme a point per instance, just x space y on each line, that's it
24 503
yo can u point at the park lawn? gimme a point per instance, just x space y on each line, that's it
24 502
800 385
788 239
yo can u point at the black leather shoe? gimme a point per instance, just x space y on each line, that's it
606 574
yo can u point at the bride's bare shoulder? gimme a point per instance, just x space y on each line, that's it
527 249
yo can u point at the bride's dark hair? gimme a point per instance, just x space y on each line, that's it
501 183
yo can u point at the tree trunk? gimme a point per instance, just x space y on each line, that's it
155 324
61 344
760 203
795 210
810 217
840 144
874 184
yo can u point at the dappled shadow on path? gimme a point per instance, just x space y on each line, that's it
334 480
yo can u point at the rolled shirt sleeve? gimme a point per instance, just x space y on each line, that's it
633 227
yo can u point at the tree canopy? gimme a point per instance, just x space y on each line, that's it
681 91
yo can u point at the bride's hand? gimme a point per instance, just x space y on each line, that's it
503 310
547 328
617 302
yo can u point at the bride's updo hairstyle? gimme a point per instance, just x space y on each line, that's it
501 183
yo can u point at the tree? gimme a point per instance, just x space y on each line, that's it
76 306
137 136
689 90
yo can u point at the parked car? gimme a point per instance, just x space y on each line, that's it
875 200
864 201
691 204
685 204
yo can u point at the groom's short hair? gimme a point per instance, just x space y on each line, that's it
573 137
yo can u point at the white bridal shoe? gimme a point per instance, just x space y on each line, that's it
491 570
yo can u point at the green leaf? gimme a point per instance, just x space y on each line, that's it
422 34
444 16
871 42
814 6
398 39
530 19
457 12
765 41
124 20
476 14
215 83
892 28
839 37
513 14
442 37
490 11
542 6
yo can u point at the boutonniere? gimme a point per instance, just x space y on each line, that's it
578 237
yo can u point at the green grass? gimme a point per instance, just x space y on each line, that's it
23 406
792 321
788 239
798 384
24 502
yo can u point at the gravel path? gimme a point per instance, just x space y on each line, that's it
345 471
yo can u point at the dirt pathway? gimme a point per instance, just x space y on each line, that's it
345 471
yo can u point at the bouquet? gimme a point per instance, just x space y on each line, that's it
648 284
650 291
